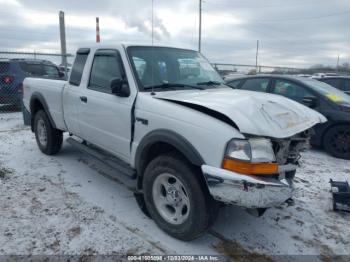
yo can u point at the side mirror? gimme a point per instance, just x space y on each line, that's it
120 87
310 101
61 74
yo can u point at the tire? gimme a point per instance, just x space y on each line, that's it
49 139
336 141
193 201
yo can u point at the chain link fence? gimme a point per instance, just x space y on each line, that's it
237 69
227 70
15 66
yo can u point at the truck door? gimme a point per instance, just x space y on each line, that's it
105 118
72 92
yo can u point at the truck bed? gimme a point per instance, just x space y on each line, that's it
51 91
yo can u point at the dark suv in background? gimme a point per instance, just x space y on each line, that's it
339 82
334 135
13 72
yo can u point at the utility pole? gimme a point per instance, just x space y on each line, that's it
257 53
200 26
63 39
98 38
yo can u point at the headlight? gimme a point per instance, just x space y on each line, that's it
252 157
261 150
255 150
239 149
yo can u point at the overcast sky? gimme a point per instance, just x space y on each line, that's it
296 33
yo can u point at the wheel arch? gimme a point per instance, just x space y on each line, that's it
162 141
38 102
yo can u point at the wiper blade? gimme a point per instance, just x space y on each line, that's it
171 85
209 83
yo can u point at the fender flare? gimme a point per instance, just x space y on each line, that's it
37 96
171 138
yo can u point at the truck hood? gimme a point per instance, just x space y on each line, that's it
252 112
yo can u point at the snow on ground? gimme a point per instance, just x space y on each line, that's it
69 204
308 227
11 120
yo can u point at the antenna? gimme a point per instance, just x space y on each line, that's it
152 60
256 56
200 27
152 21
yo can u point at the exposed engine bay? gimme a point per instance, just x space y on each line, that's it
287 150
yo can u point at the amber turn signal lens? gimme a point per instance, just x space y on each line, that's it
249 168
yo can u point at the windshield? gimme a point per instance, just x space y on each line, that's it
172 68
333 94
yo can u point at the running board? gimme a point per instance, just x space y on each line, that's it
104 157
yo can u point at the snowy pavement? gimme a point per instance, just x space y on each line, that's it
70 204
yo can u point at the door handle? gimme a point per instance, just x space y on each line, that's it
83 99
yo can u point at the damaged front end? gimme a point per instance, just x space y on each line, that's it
287 150
258 185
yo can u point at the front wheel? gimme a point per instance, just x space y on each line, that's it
48 138
175 197
337 141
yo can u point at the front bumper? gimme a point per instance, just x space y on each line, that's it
248 191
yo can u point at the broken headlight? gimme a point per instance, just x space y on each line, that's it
256 150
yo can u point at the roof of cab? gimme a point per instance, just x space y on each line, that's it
96 46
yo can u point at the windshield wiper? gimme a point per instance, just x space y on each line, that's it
209 83
172 85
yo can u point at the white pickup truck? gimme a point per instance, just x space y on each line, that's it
164 117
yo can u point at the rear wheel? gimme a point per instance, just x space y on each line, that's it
337 141
175 197
48 138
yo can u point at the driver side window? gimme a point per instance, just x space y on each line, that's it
105 67
291 90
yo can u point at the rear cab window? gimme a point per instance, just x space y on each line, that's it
78 67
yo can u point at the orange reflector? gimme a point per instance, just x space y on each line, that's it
249 168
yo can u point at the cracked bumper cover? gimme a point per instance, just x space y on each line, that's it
248 191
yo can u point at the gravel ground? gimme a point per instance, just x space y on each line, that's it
69 205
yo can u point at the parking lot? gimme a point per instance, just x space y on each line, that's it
72 204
